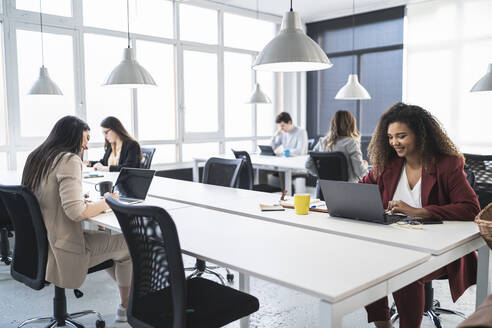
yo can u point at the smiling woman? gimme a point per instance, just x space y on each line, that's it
419 172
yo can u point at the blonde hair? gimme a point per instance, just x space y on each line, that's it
342 126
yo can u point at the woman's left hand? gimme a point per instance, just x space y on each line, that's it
100 167
399 206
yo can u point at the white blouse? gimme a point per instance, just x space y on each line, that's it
403 192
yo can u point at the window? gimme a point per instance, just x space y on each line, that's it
102 54
453 40
156 106
237 89
265 113
200 91
95 13
52 7
58 55
163 153
198 24
3 162
199 150
3 105
247 33
239 145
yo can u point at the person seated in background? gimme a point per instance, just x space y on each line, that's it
121 150
344 137
53 172
289 139
420 173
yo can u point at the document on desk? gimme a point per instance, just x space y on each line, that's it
274 207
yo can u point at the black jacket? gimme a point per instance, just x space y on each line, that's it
129 156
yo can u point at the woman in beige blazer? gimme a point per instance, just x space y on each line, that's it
53 171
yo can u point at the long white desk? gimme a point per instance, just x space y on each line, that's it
278 253
288 165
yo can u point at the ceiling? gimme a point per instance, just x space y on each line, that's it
314 10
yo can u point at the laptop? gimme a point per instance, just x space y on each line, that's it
266 150
357 201
133 184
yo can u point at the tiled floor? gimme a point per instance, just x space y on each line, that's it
279 307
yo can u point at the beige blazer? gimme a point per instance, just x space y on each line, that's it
61 202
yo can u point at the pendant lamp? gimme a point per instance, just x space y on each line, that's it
44 85
129 73
258 96
485 83
291 50
353 90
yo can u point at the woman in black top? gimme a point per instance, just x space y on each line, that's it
121 149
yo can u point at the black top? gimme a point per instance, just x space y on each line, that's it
129 156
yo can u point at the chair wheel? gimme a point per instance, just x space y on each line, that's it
7 260
230 277
100 324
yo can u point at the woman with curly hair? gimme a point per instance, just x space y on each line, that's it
419 172
344 137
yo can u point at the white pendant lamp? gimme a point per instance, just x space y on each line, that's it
258 96
44 85
129 73
485 83
353 90
292 50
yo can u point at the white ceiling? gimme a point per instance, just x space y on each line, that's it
314 10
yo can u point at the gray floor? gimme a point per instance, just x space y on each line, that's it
279 307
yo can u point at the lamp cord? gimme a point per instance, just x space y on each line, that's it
291 5
353 36
128 20
42 39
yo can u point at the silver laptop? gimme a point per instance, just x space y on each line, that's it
357 201
133 184
266 150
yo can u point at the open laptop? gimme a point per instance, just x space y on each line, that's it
357 201
266 150
133 184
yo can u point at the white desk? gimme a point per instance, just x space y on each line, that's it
277 253
275 163
451 239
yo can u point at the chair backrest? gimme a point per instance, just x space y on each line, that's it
31 242
246 175
470 177
311 143
4 218
152 239
222 172
330 165
481 165
147 155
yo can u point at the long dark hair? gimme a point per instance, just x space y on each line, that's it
115 125
65 137
430 138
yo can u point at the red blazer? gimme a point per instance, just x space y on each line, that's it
445 193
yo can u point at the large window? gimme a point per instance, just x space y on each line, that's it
102 54
39 113
451 40
199 55
376 52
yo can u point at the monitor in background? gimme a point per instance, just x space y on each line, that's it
133 184
266 150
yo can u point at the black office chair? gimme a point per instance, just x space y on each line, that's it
225 173
6 229
432 307
247 175
311 143
481 165
147 155
31 253
160 294
329 166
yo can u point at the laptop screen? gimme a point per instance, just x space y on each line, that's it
134 183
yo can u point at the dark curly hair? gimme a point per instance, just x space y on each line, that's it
430 137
